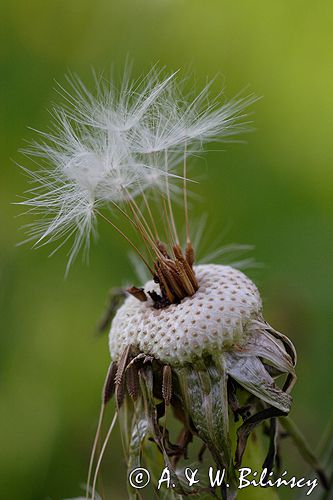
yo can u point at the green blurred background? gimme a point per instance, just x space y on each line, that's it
274 192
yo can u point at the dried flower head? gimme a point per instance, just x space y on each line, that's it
213 343
193 338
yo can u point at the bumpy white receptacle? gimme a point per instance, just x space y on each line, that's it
211 321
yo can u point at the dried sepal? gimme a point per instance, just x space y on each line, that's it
203 390
271 457
250 373
147 390
248 426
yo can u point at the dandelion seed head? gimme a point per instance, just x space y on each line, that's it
210 322
222 324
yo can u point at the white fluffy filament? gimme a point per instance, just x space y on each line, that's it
111 146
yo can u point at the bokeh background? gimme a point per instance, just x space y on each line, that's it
274 192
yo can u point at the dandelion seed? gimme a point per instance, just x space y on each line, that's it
115 146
